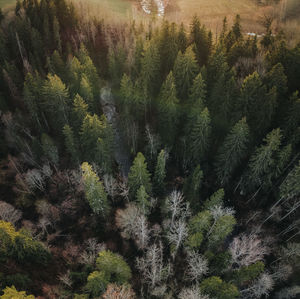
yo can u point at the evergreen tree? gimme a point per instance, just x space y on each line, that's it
79 111
262 163
139 176
160 173
85 91
198 92
232 151
143 200
168 111
185 70
257 103
192 186
94 190
182 39
56 34
70 143
56 101
202 41
49 149
199 136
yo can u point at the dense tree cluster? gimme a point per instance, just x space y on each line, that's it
146 163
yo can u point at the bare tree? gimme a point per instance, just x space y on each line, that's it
114 291
151 265
65 279
8 213
35 180
90 254
133 224
192 293
111 185
262 286
176 206
247 249
197 266
177 234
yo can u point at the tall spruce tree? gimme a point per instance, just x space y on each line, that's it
168 111
94 190
185 70
232 151
160 173
139 176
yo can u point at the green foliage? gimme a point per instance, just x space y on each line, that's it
185 70
160 173
94 190
192 186
168 111
21 246
79 111
12 293
199 138
70 143
49 149
216 288
232 151
21 281
248 273
142 198
197 95
96 283
114 267
139 176
215 200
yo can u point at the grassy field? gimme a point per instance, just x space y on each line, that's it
211 12
6 3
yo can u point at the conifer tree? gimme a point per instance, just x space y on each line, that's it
262 163
56 101
79 111
139 176
85 91
168 111
198 92
94 190
160 173
70 143
185 70
150 71
232 151
199 136
143 200
56 34
192 186
49 149
202 41
182 39
257 103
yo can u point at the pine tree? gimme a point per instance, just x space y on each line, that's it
185 70
143 200
50 150
257 103
237 29
182 39
160 173
232 151
94 190
202 41
79 111
198 92
168 111
139 176
85 91
199 136
56 34
56 101
70 143
192 186
150 72
262 163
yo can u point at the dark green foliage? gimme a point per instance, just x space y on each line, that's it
160 173
139 176
215 287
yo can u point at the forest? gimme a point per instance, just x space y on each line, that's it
146 159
